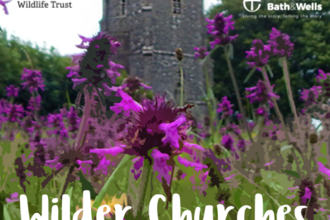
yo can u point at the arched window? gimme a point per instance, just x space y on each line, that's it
177 6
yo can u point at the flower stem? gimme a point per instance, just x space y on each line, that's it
35 106
50 177
238 96
209 101
277 109
144 182
288 87
66 183
182 81
85 117
172 174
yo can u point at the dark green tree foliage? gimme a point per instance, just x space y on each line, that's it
52 65
311 37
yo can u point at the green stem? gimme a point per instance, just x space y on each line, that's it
35 106
172 175
238 96
210 107
144 182
85 117
288 87
277 109
99 198
66 182
261 122
217 136
182 81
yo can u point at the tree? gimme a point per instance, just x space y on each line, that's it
13 58
311 37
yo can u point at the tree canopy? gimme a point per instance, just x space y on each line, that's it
311 37
15 55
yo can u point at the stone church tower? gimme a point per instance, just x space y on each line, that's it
150 31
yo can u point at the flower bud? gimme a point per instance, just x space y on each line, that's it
179 54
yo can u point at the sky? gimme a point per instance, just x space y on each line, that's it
57 27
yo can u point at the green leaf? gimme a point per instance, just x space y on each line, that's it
86 185
286 147
265 205
318 179
269 71
107 186
250 74
237 197
291 173
6 213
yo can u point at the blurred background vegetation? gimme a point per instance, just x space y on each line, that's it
13 59
311 37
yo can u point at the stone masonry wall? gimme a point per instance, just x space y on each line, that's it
150 33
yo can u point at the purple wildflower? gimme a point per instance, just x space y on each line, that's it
228 142
251 125
261 94
241 144
261 111
133 83
201 52
324 170
34 103
73 120
280 43
55 121
307 195
219 29
259 55
316 90
171 131
113 71
93 68
270 163
28 124
233 128
187 163
12 91
3 3
127 103
322 75
14 112
225 107
229 177
33 80
157 123
13 198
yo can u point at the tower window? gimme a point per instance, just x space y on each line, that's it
177 7
122 7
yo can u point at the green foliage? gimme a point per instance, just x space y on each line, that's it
311 51
52 65
86 185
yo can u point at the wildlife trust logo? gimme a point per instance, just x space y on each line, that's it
282 6
252 5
